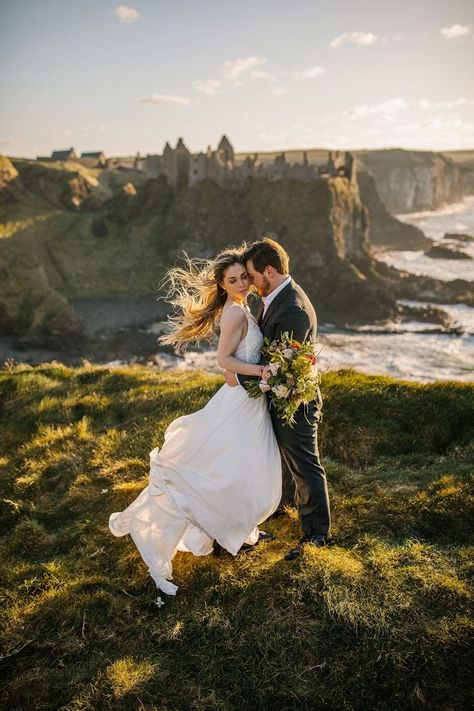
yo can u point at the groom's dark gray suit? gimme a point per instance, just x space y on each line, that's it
292 311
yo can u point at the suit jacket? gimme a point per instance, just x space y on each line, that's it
291 311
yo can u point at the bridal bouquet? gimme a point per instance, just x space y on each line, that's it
294 378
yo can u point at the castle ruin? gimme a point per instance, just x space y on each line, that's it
182 168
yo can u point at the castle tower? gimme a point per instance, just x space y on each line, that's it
350 168
183 164
226 152
332 169
168 164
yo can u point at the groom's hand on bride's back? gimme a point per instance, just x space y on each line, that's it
230 379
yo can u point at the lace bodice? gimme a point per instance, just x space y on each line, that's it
248 349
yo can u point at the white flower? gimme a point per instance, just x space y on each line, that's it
159 602
264 386
274 367
288 353
281 391
104 491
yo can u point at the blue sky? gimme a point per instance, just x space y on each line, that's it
271 74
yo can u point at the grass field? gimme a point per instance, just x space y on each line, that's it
379 621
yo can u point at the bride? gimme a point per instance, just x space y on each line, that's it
218 473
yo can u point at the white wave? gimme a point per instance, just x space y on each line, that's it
412 356
409 355
457 218
418 263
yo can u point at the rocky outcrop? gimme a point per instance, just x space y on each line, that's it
411 181
385 229
419 287
438 251
323 225
464 159
122 249
8 172
59 185
458 237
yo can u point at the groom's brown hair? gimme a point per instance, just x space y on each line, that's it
267 252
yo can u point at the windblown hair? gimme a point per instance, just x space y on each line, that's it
196 293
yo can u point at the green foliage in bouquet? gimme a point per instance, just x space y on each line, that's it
294 380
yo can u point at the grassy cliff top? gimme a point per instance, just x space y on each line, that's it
379 621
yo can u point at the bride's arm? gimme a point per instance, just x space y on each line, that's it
231 324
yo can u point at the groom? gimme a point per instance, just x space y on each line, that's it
285 307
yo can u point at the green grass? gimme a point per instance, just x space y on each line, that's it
379 621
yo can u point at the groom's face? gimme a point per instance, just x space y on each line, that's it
259 280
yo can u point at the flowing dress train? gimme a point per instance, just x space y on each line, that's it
217 476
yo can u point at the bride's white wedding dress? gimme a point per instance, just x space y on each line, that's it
217 476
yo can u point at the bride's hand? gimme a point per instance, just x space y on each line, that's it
266 373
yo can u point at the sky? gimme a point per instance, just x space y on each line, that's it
270 74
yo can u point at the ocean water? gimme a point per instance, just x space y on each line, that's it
413 350
456 218
408 355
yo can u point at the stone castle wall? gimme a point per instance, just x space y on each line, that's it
182 168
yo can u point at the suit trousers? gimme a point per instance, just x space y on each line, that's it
299 450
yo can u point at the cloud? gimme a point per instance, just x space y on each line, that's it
126 14
310 73
404 128
234 73
260 74
384 108
455 31
462 101
208 87
361 38
233 68
239 72
165 100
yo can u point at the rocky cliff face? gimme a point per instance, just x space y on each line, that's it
464 159
411 181
385 229
118 243
323 225
122 244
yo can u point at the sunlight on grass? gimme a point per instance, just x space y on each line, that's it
127 674
10 228
381 614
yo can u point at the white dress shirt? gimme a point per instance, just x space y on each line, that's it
267 300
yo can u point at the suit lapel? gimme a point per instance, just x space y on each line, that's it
260 313
276 301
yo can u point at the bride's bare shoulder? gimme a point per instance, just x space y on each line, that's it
232 315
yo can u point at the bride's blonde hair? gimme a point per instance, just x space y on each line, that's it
196 293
